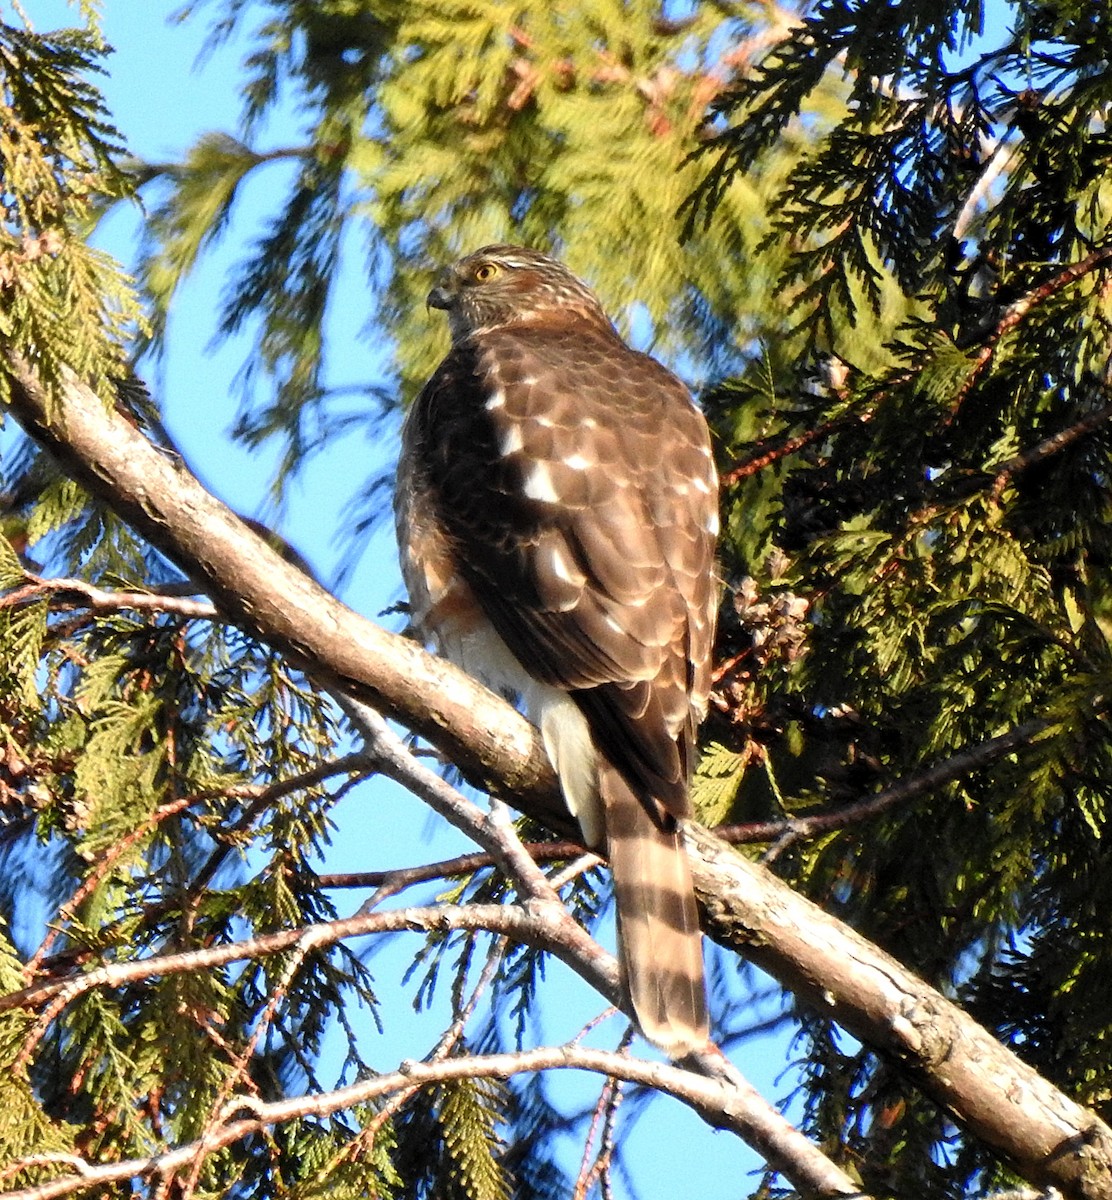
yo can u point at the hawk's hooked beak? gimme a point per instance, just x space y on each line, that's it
442 294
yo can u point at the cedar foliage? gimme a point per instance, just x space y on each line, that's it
948 521
895 282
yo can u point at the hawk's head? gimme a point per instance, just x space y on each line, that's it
500 286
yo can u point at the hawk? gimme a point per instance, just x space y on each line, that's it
557 514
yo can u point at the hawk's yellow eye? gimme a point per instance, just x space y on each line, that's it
485 272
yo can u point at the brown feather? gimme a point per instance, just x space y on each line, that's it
659 942
557 510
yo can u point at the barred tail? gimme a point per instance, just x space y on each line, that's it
660 945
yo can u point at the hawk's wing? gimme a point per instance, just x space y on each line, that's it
574 478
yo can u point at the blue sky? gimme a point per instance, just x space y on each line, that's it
161 102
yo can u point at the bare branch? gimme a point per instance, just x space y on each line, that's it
1048 446
399 878
789 831
529 927
544 922
999 157
595 1166
363 1141
1017 311
71 593
740 1111
493 830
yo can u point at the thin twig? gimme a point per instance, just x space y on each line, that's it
788 832
997 162
398 879
604 1117
77 592
102 867
240 1064
394 760
769 450
356 766
1047 447
1017 311
585 862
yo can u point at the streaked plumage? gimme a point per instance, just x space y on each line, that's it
557 513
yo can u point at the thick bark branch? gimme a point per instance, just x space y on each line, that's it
1048 1138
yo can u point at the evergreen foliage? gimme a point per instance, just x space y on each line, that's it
57 153
947 515
895 284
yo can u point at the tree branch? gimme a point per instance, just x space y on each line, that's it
734 1112
783 833
1017 311
1042 1133
1048 1138
1048 446
786 832
489 830
398 879
562 935
738 1106
595 1164
526 926
78 593
764 453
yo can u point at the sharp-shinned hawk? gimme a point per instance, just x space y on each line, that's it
557 515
